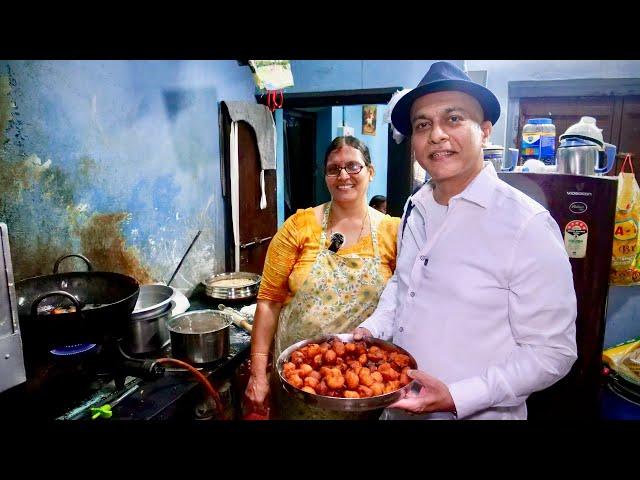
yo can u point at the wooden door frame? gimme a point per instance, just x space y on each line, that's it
582 87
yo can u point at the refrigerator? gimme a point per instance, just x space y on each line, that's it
584 208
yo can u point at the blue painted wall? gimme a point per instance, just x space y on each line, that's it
115 159
377 146
327 75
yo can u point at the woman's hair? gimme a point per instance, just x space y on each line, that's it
353 142
377 200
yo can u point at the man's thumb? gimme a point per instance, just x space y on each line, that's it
421 377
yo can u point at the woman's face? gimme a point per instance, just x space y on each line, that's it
347 187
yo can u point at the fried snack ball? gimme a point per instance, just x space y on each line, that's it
313 350
404 379
315 375
297 357
311 382
355 366
361 348
364 391
339 348
329 357
401 360
352 379
334 379
324 371
288 367
322 388
317 361
391 386
363 359
305 369
377 388
324 346
350 347
305 351
377 376
365 377
388 373
375 354
308 389
295 380
350 394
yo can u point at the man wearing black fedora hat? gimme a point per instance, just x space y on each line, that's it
482 295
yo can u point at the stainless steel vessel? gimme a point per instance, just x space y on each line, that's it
200 336
344 404
249 289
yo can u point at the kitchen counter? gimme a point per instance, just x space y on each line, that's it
177 394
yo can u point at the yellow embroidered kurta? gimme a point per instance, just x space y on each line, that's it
295 246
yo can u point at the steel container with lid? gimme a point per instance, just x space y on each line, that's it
233 285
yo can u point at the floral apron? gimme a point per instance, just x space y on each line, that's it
339 293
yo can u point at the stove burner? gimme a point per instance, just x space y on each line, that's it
74 349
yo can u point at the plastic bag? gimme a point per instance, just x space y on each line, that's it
625 359
624 264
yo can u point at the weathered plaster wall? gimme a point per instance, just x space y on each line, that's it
118 160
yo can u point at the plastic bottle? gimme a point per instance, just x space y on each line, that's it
539 141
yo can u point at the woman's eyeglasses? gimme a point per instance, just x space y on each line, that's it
352 168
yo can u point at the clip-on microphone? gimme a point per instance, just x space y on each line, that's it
337 239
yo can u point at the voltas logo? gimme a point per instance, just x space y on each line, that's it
578 207
584 194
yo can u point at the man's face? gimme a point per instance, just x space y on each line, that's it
448 134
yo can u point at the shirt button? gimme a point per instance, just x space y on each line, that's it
422 257
401 329
413 294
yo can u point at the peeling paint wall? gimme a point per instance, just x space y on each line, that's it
118 160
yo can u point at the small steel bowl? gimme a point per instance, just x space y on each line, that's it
232 293
344 404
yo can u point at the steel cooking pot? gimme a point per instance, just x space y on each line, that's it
200 336
344 404
233 285
147 330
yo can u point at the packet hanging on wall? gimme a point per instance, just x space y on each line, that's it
624 263
271 74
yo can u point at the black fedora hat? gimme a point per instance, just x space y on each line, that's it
443 76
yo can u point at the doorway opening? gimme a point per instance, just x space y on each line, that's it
309 125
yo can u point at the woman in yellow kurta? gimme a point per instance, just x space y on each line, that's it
308 290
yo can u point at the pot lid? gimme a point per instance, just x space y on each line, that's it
586 128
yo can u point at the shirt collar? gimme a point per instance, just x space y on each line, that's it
480 190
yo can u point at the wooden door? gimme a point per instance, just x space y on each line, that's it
257 226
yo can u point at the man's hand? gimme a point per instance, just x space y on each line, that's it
359 333
434 396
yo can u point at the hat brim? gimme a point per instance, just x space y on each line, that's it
400 115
